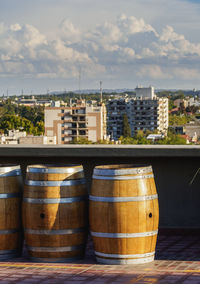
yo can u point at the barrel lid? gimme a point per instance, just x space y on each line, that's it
55 169
9 170
121 169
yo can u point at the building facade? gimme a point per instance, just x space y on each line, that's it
68 123
144 112
45 140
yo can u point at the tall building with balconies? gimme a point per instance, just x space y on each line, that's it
144 112
68 123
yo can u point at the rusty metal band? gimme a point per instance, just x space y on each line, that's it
125 261
121 172
9 195
122 199
55 183
55 232
122 177
123 235
56 249
55 170
124 255
55 200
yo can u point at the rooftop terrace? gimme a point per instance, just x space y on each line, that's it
177 261
173 167
178 247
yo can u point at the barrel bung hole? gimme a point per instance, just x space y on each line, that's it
150 215
42 215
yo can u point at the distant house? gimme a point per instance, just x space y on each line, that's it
174 110
180 102
178 129
30 139
155 137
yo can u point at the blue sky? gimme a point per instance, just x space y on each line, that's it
45 43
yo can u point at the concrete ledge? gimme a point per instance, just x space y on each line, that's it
173 167
99 151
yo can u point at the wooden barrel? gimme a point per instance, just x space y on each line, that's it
123 214
10 211
55 212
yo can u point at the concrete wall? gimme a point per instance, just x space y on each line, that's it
173 166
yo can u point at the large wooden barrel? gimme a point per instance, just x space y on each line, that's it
10 211
55 212
123 214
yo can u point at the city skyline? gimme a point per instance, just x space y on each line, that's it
67 45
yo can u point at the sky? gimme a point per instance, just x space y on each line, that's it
48 45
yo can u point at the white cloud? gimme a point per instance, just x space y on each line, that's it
169 35
132 25
69 32
187 73
33 37
153 72
127 46
15 27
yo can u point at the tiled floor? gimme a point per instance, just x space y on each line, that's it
177 261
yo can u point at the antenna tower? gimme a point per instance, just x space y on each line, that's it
79 80
101 92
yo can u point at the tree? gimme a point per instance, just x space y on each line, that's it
179 120
126 127
81 140
9 122
172 139
171 105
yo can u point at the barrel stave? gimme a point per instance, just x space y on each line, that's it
58 240
10 241
140 187
11 184
58 231
126 201
120 217
137 245
56 255
10 211
54 192
54 177
55 216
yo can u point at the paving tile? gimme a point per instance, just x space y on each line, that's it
177 259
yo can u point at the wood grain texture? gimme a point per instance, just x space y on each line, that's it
55 216
10 216
124 217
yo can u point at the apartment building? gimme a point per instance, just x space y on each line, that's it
145 112
82 120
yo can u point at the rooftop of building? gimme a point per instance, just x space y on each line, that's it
178 248
177 260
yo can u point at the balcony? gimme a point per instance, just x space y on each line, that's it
78 114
